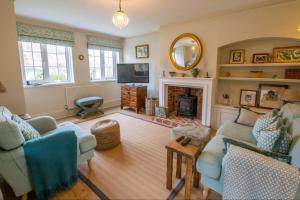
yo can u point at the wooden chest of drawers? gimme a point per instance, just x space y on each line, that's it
133 97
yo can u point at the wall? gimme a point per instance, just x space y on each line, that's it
51 100
129 57
273 21
10 71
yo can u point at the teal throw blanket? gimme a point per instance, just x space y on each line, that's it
52 162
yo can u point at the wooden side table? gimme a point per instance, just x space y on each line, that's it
191 153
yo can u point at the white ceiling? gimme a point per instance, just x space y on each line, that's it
145 15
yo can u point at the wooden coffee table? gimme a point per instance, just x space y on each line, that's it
191 153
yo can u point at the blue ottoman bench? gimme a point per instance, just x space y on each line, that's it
89 105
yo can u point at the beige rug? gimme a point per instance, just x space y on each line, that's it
136 169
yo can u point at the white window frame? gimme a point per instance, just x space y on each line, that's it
45 66
102 64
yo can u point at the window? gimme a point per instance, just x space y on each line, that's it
45 63
103 63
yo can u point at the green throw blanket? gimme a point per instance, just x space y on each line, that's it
52 162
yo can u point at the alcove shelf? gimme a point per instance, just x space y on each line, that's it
250 65
260 79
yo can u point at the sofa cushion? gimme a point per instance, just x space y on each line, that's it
27 130
237 131
262 123
10 135
290 111
85 139
4 113
247 117
209 162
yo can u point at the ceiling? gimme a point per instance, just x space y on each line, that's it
145 15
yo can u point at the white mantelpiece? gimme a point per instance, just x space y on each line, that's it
205 83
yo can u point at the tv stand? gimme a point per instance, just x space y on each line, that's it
133 97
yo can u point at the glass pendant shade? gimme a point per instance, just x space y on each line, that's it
298 27
120 19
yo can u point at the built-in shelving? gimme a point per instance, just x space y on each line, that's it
260 65
260 79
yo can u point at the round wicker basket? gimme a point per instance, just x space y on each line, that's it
107 133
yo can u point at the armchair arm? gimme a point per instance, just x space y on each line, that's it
43 124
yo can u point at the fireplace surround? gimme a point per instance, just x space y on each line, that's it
205 84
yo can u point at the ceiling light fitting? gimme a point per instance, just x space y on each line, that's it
120 19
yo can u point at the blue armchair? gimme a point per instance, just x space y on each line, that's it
13 166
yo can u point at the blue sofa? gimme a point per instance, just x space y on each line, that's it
209 163
13 166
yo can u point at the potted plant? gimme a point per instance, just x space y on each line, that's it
225 99
195 71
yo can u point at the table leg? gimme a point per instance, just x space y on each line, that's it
196 179
188 178
169 168
179 164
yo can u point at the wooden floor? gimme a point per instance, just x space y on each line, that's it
133 170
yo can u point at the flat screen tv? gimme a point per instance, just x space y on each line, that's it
133 73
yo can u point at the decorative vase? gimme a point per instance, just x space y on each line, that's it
225 101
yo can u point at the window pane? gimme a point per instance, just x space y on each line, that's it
53 71
91 52
37 59
51 48
97 61
91 62
61 60
52 60
39 73
26 46
28 59
61 50
36 47
29 73
63 74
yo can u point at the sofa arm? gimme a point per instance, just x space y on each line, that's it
43 124
10 135
295 151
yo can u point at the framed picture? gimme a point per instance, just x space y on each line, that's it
286 55
248 98
270 95
237 56
142 51
261 58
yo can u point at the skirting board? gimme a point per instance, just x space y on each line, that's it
59 114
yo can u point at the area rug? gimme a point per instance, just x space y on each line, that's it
136 169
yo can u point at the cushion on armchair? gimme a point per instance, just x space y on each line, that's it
10 135
290 111
27 130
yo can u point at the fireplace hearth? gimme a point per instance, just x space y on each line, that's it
187 104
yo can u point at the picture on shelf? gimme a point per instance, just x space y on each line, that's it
142 51
248 98
237 56
270 95
259 58
286 54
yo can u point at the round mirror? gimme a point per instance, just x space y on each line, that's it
185 51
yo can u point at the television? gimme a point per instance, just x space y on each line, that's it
133 73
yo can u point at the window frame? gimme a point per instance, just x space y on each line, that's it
115 51
45 66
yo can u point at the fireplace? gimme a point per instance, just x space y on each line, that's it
199 86
187 104
185 101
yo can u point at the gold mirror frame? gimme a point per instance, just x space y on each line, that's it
199 54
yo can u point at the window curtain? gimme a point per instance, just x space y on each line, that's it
33 33
99 43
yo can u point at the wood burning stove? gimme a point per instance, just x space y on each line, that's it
187 104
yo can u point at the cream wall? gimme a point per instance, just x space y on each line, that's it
129 57
51 100
273 21
10 72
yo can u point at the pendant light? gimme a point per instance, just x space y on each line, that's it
120 19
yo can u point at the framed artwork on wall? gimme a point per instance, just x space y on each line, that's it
270 95
286 55
248 98
260 58
142 51
237 56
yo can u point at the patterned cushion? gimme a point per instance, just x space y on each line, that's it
27 130
263 122
275 138
252 147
